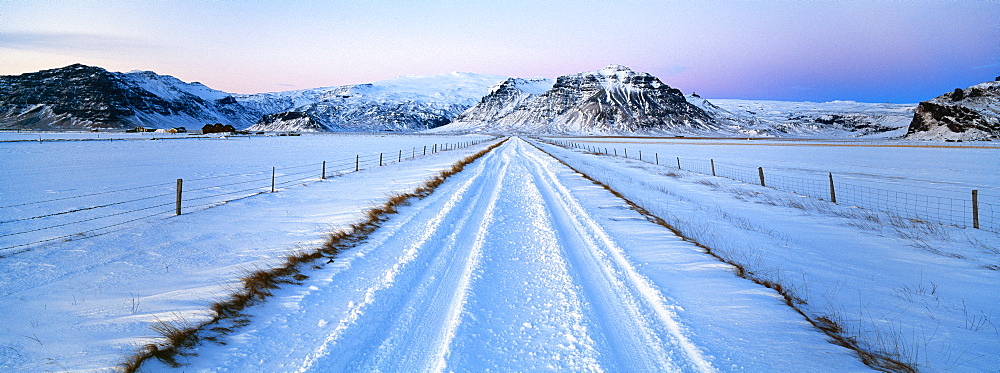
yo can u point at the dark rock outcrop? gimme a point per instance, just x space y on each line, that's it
79 96
963 114
290 121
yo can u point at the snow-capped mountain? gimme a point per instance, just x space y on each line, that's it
504 98
964 114
406 103
79 96
614 99
810 119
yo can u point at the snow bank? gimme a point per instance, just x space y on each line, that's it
924 293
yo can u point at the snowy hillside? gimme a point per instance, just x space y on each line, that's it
406 103
276 102
617 100
969 114
614 99
79 96
171 88
290 121
503 99
811 119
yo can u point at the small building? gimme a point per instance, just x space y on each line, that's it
139 129
217 128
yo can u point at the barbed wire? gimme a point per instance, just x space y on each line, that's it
87 195
84 220
2 255
84 209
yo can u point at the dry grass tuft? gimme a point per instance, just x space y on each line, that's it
707 183
256 284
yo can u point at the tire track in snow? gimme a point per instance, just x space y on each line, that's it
443 286
502 268
524 313
612 281
386 279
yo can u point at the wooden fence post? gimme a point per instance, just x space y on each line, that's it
322 175
975 208
400 156
640 155
357 158
760 171
833 192
713 166
425 149
657 158
180 187
380 159
626 152
679 163
272 179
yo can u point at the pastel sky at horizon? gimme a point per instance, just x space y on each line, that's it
870 51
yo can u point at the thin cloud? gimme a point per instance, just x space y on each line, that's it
674 70
988 66
72 42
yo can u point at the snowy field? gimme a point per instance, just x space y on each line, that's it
56 188
82 303
17 136
515 264
949 167
924 293
914 179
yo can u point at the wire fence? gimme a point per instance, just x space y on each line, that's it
980 211
26 225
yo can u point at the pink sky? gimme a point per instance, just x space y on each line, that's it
897 51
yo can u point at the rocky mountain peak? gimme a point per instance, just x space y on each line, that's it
614 99
615 71
611 77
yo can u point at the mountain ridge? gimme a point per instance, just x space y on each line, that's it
406 103
611 100
614 99
79 96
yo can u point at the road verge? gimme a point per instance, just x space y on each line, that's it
256 286
878 360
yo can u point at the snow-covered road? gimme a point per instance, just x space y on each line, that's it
520 264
